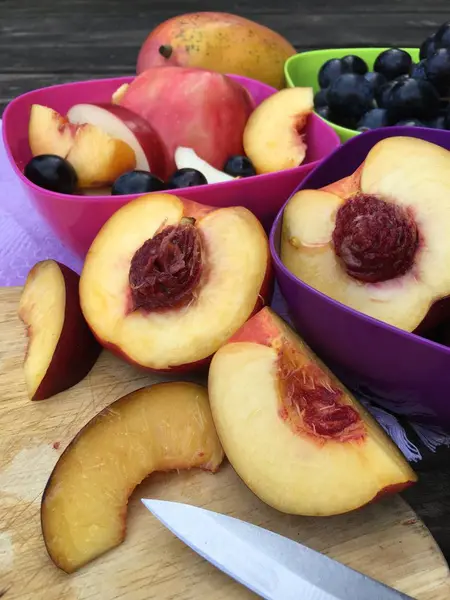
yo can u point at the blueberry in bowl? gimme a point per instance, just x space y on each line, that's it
393 62
350 95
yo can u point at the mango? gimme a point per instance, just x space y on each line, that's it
220 42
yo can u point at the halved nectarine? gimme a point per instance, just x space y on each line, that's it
61 348
163 427
167 281
292 431
377 241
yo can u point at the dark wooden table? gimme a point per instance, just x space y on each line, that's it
55 41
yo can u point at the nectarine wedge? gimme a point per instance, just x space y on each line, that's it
163 427
274 136
61 348
293 433
49 132
167 281
377 241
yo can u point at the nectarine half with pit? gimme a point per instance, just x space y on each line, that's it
61 348
193 108
163 427
167 281
293 433
274 136
377 241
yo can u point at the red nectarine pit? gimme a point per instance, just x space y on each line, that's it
375 240
311 404
167 268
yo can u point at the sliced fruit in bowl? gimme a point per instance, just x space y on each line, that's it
373 240
167 280
123 124
77 218
360 265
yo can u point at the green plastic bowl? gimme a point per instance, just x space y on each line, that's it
301 70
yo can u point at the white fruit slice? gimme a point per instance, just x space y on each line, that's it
187 158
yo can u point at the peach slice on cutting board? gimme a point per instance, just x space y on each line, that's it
298 439
376 241
164 427
274 136
61 348
167 281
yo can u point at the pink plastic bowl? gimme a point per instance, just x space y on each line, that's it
77 219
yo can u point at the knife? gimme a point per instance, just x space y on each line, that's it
272 566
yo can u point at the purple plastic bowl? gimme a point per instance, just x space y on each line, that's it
77 219
410 373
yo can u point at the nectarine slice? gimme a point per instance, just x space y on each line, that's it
98 158
292 431
167 281
49 132
61 348
377 240
274 136
163 427
120 123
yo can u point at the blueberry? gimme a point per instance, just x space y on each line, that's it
438 70
354 64
239 166
350 95
186 178
375 80
137 182
320 98
428 47
412 99
377 117
410 123
382 94
324 112
330 71
392 63
442 36
419 70
52 173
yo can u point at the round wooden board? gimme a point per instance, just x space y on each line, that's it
385 540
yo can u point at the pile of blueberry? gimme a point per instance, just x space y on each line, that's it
396 92
57 175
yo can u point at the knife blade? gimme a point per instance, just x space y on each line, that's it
272 566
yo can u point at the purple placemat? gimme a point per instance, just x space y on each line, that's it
25 237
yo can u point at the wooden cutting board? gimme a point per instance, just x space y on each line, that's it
385 540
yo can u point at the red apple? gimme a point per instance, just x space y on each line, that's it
167 280
61 348
193 108
120 123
